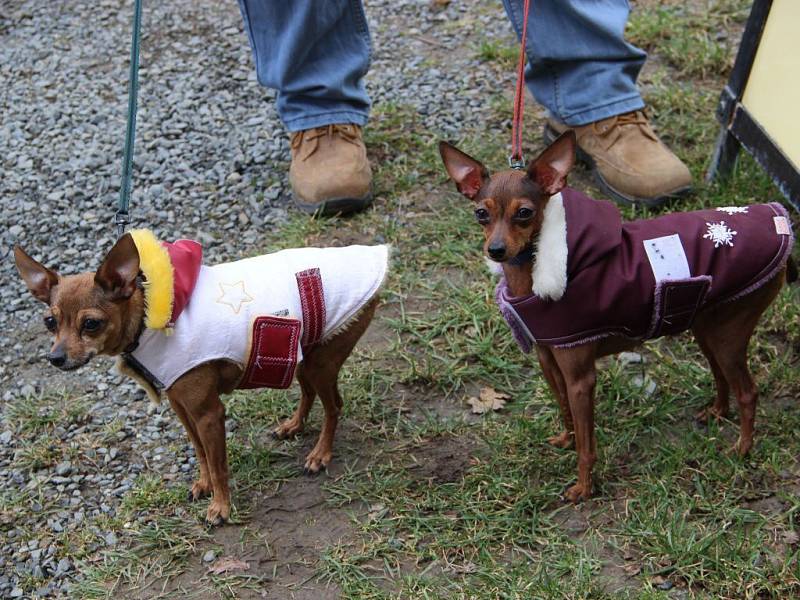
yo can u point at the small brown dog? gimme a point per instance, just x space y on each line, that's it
579 284
226 336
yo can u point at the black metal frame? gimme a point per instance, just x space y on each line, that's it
739 128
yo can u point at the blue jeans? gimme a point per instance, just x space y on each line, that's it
315 53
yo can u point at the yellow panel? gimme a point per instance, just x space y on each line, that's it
772 95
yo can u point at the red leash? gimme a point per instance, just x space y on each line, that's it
516 161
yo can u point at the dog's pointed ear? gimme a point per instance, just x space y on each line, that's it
119 269
551 167
39 279
469 174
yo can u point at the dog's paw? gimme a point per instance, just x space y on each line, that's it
578 493
715 413
289 428
742 446
218 512
316 461
562 440
200 489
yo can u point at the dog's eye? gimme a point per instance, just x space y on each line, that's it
523 214
92 324
482 215
51 323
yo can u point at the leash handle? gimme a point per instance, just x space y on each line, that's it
122 217
516 161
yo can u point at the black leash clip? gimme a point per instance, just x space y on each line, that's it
517 163
121 219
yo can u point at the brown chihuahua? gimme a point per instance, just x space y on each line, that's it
106 312
579 284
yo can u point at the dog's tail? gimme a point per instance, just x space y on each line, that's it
791 271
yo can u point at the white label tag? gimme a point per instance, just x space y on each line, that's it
781 225
667 258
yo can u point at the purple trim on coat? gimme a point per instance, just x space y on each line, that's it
521 335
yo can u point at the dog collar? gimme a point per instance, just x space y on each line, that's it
523 257
135 343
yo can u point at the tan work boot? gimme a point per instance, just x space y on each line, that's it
628 160
330 173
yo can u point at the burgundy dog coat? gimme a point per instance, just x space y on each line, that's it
647 278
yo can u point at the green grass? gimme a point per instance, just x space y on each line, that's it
448 505
493 51
694 38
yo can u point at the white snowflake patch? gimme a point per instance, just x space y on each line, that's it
720 234
732 210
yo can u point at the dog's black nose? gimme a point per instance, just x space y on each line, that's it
57 357
496 251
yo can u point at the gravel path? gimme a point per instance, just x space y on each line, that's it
211 162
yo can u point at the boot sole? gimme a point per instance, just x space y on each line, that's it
585 159
333 206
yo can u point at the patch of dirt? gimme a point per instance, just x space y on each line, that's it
768 507
442 459
284 535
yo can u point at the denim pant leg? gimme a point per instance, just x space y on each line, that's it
315 53
580 67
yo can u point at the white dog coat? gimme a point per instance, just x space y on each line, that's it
261 312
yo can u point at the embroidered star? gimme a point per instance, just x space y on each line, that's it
234 295
732 210
720 234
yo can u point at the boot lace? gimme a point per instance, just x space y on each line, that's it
610 128
348 133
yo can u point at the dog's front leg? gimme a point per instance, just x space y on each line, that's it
210 420
556 382
578 370
202 487
198 396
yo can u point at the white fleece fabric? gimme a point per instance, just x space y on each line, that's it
217 322
550 261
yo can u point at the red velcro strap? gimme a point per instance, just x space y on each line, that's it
312 300
273 353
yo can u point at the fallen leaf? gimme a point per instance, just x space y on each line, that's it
791 537
376 511
632 569
226 564
489 400
468 567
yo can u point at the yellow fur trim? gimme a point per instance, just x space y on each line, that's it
156 267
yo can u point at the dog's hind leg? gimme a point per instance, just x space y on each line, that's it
729 349
322 453
726 331
322 365
719 409
555 380
294 425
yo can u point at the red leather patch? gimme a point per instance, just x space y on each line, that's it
312 301
273 353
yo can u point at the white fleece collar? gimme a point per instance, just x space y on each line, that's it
550 260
